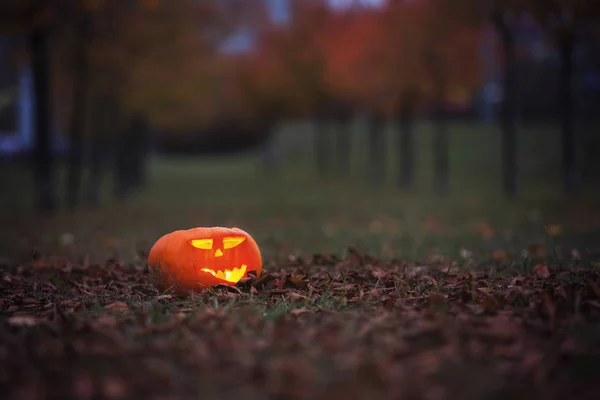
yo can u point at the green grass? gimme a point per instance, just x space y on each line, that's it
419 307
294 212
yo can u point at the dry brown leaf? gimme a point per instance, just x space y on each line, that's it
297 297
503 327
554 229
541 270
595 288
116 388
83 387
39 264
280 283
436 298
500 255
117 306
536 250
298 311
105 321
266 277
298 282
22 320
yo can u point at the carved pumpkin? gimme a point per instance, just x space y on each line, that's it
194 259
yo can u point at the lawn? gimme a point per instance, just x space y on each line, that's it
367 292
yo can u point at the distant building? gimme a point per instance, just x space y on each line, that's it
16 100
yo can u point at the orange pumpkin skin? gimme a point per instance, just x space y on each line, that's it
197 258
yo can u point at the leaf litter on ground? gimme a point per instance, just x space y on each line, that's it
357 328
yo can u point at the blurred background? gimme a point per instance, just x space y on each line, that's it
422 128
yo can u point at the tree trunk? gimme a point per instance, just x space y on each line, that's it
441 163
123 161
139 150
43 162
97 165
406 142
103 124
440 151
344 145
321 146
569 140
268 151
508 115
377 156
406 151
78 115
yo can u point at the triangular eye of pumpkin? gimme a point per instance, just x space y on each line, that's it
231 242
205 244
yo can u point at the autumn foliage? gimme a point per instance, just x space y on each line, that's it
368 56
163 58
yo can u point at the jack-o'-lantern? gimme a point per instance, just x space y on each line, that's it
194 259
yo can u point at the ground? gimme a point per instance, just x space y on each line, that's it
367 292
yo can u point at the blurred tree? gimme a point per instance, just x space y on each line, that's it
289 71
34 20
79 71
343 114
305 59
141 56
406 143
105 117
260 103
356 69
153 63
567 21
402 55
502 15
406 32
564 20
450 56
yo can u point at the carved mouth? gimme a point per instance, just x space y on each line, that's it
229 275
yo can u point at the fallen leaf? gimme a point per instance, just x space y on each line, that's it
541 270
117 306
436 298
116 388
39 264
105 321
22 320
500 255
83 387
266 277
298 282
298 311
536 250
595 288
280 283
554 229
297 297
503 327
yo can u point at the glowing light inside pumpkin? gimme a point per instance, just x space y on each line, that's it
229 275
205 244
228 242
231 242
